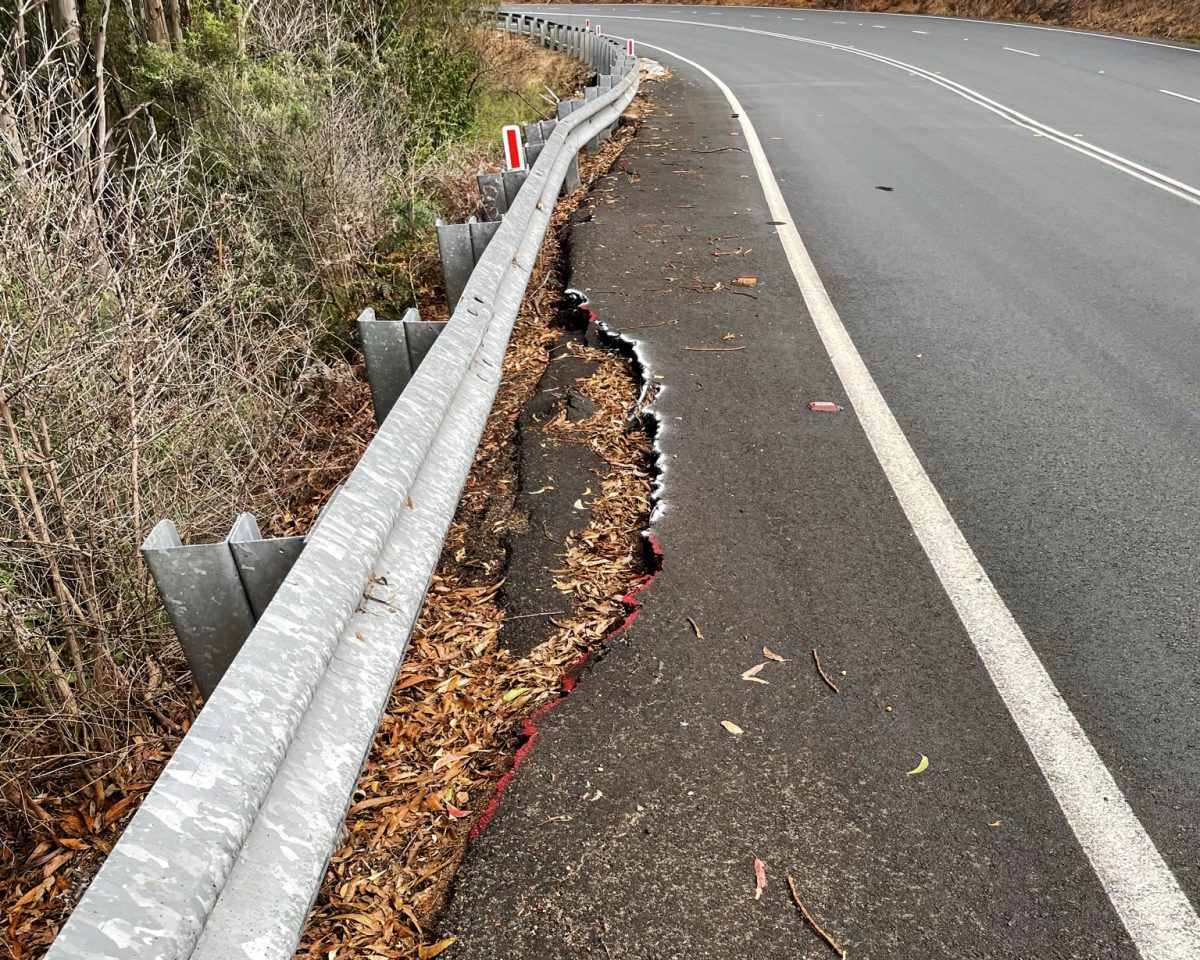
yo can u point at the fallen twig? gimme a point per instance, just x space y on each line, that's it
543 613
643 326
834 945
695 628
824 676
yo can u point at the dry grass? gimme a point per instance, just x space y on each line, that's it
1173 20
160 360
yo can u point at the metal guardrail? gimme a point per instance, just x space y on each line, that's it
228 849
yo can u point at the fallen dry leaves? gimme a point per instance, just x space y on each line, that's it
460 700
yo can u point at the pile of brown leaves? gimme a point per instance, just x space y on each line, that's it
459 704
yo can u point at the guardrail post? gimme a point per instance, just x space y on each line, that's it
262 563
385 349
393 351
536 135
593 145
203 594
421 334
605 83
492 200
461 245
497 191
535 140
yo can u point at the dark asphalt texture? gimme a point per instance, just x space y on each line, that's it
1031 317
552 477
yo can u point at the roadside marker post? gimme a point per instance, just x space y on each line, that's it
587 23
514 148
599 32
629 47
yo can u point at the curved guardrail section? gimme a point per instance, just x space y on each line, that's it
228 849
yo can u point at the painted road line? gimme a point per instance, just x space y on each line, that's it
1025 52
1181 96
925 32
1034 26
1145 893
1146 174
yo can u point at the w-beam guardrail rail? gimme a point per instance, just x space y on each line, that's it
228 849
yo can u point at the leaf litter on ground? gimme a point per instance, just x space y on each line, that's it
457 709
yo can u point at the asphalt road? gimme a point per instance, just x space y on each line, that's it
1030 314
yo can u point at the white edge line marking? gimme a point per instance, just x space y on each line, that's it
1146 895
1181 96
925 32
1037 26
1116 161
1025 52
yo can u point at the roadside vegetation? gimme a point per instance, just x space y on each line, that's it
1172 20
196 200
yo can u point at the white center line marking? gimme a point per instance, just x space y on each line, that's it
1181 96
1142 888
1129 167
879 26
1025 52
926 32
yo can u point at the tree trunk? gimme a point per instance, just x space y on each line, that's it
174 21
156 22
101 99
65 15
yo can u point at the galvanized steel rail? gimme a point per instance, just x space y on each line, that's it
228 849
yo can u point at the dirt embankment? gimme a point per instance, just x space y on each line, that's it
1174 20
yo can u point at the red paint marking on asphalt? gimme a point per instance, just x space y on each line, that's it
570 677
570 680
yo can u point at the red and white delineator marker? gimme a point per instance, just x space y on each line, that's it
599 32
587 23
514 148
629 47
